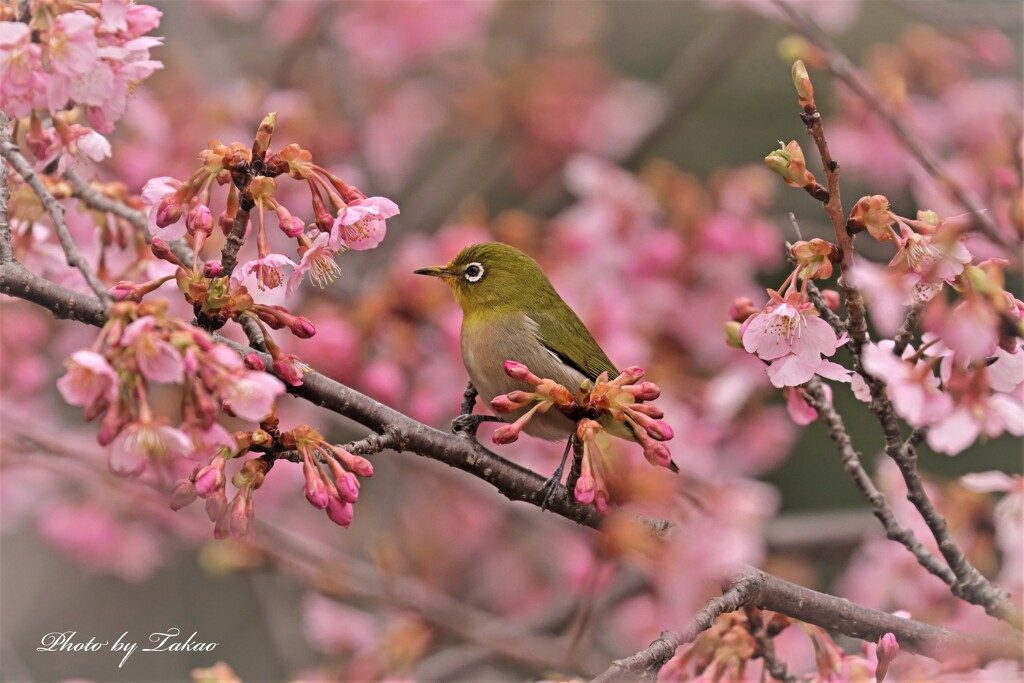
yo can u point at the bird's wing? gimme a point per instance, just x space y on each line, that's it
569 339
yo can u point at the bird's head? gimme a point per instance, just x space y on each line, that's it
493 276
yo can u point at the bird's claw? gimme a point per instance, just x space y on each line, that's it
465 425
548 490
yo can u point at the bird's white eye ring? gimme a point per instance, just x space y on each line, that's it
473 272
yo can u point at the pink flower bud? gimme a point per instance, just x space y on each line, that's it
199 220
253 361
240 516
885 652
315 489
160 249
831 297
216 505
288 370
585 488
169 210
302 328
660 430
292 226
645 391
110 426
183 493
212 269
210 478
348 487
505 434
658 454
361 466
504 404
123 290
518 371
742 308
339 511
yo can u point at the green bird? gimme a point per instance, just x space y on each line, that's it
510 311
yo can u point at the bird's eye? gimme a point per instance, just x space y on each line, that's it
473 272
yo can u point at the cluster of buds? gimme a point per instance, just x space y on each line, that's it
344 217
141 345
330 473
605 406
329 470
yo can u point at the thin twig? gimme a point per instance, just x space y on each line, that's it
645 664
93 198
905 335
6 249
775 666
833 421
74 258
846 72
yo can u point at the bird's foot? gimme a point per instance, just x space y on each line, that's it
549 488
465 425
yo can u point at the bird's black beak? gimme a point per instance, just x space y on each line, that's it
435 271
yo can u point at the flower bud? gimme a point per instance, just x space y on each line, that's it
802 83
216 505
263 134
831 298
789 163
210 478
292 225
742 308
645 391
212 269
169 210
199 220
240 516
183 493
505 434
302 328
253 361
315 489
871 214
504 404
885 652
124 289
584 490
348 487
339 511
288 370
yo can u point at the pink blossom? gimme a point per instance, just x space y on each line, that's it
24 81
799 410
71 43
156 193
251 395
989 416
971 330
929 259
114 15
1006 369
141 442
361 224
268 271
318 261
790 334
912 388
142 18
157 358
90 379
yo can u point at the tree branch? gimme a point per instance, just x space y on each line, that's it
840 67
833 421
645 664
74 258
